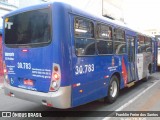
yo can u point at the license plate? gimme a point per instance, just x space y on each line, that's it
28 82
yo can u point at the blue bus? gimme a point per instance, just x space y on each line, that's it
62 57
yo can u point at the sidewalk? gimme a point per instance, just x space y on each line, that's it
1 82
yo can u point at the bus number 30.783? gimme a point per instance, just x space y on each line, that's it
21 65
83 69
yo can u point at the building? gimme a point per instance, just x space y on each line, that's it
154 32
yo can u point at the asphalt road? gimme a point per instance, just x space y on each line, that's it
144 96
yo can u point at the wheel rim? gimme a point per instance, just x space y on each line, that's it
113 89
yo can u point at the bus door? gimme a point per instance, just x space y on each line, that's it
131 58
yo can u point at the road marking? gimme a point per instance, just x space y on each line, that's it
131 101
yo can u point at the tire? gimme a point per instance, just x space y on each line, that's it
113 90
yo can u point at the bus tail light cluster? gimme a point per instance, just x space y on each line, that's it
4 68
56 78
5 73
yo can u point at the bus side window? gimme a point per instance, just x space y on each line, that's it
119 41
148 44
104 47
104 39
84 37
141 44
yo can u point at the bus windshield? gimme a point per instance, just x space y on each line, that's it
28 28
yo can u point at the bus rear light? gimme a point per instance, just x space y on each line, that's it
56 78
54 85
24 50
74 85
5 73
106 76
77 85
51 89
55 68
5 70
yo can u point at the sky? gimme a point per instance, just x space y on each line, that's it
142 13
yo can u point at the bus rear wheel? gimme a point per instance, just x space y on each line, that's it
113 90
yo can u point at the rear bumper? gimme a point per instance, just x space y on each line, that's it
58 99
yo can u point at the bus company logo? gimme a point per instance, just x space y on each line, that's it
6 114
8 25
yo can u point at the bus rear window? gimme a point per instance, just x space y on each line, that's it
28 28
